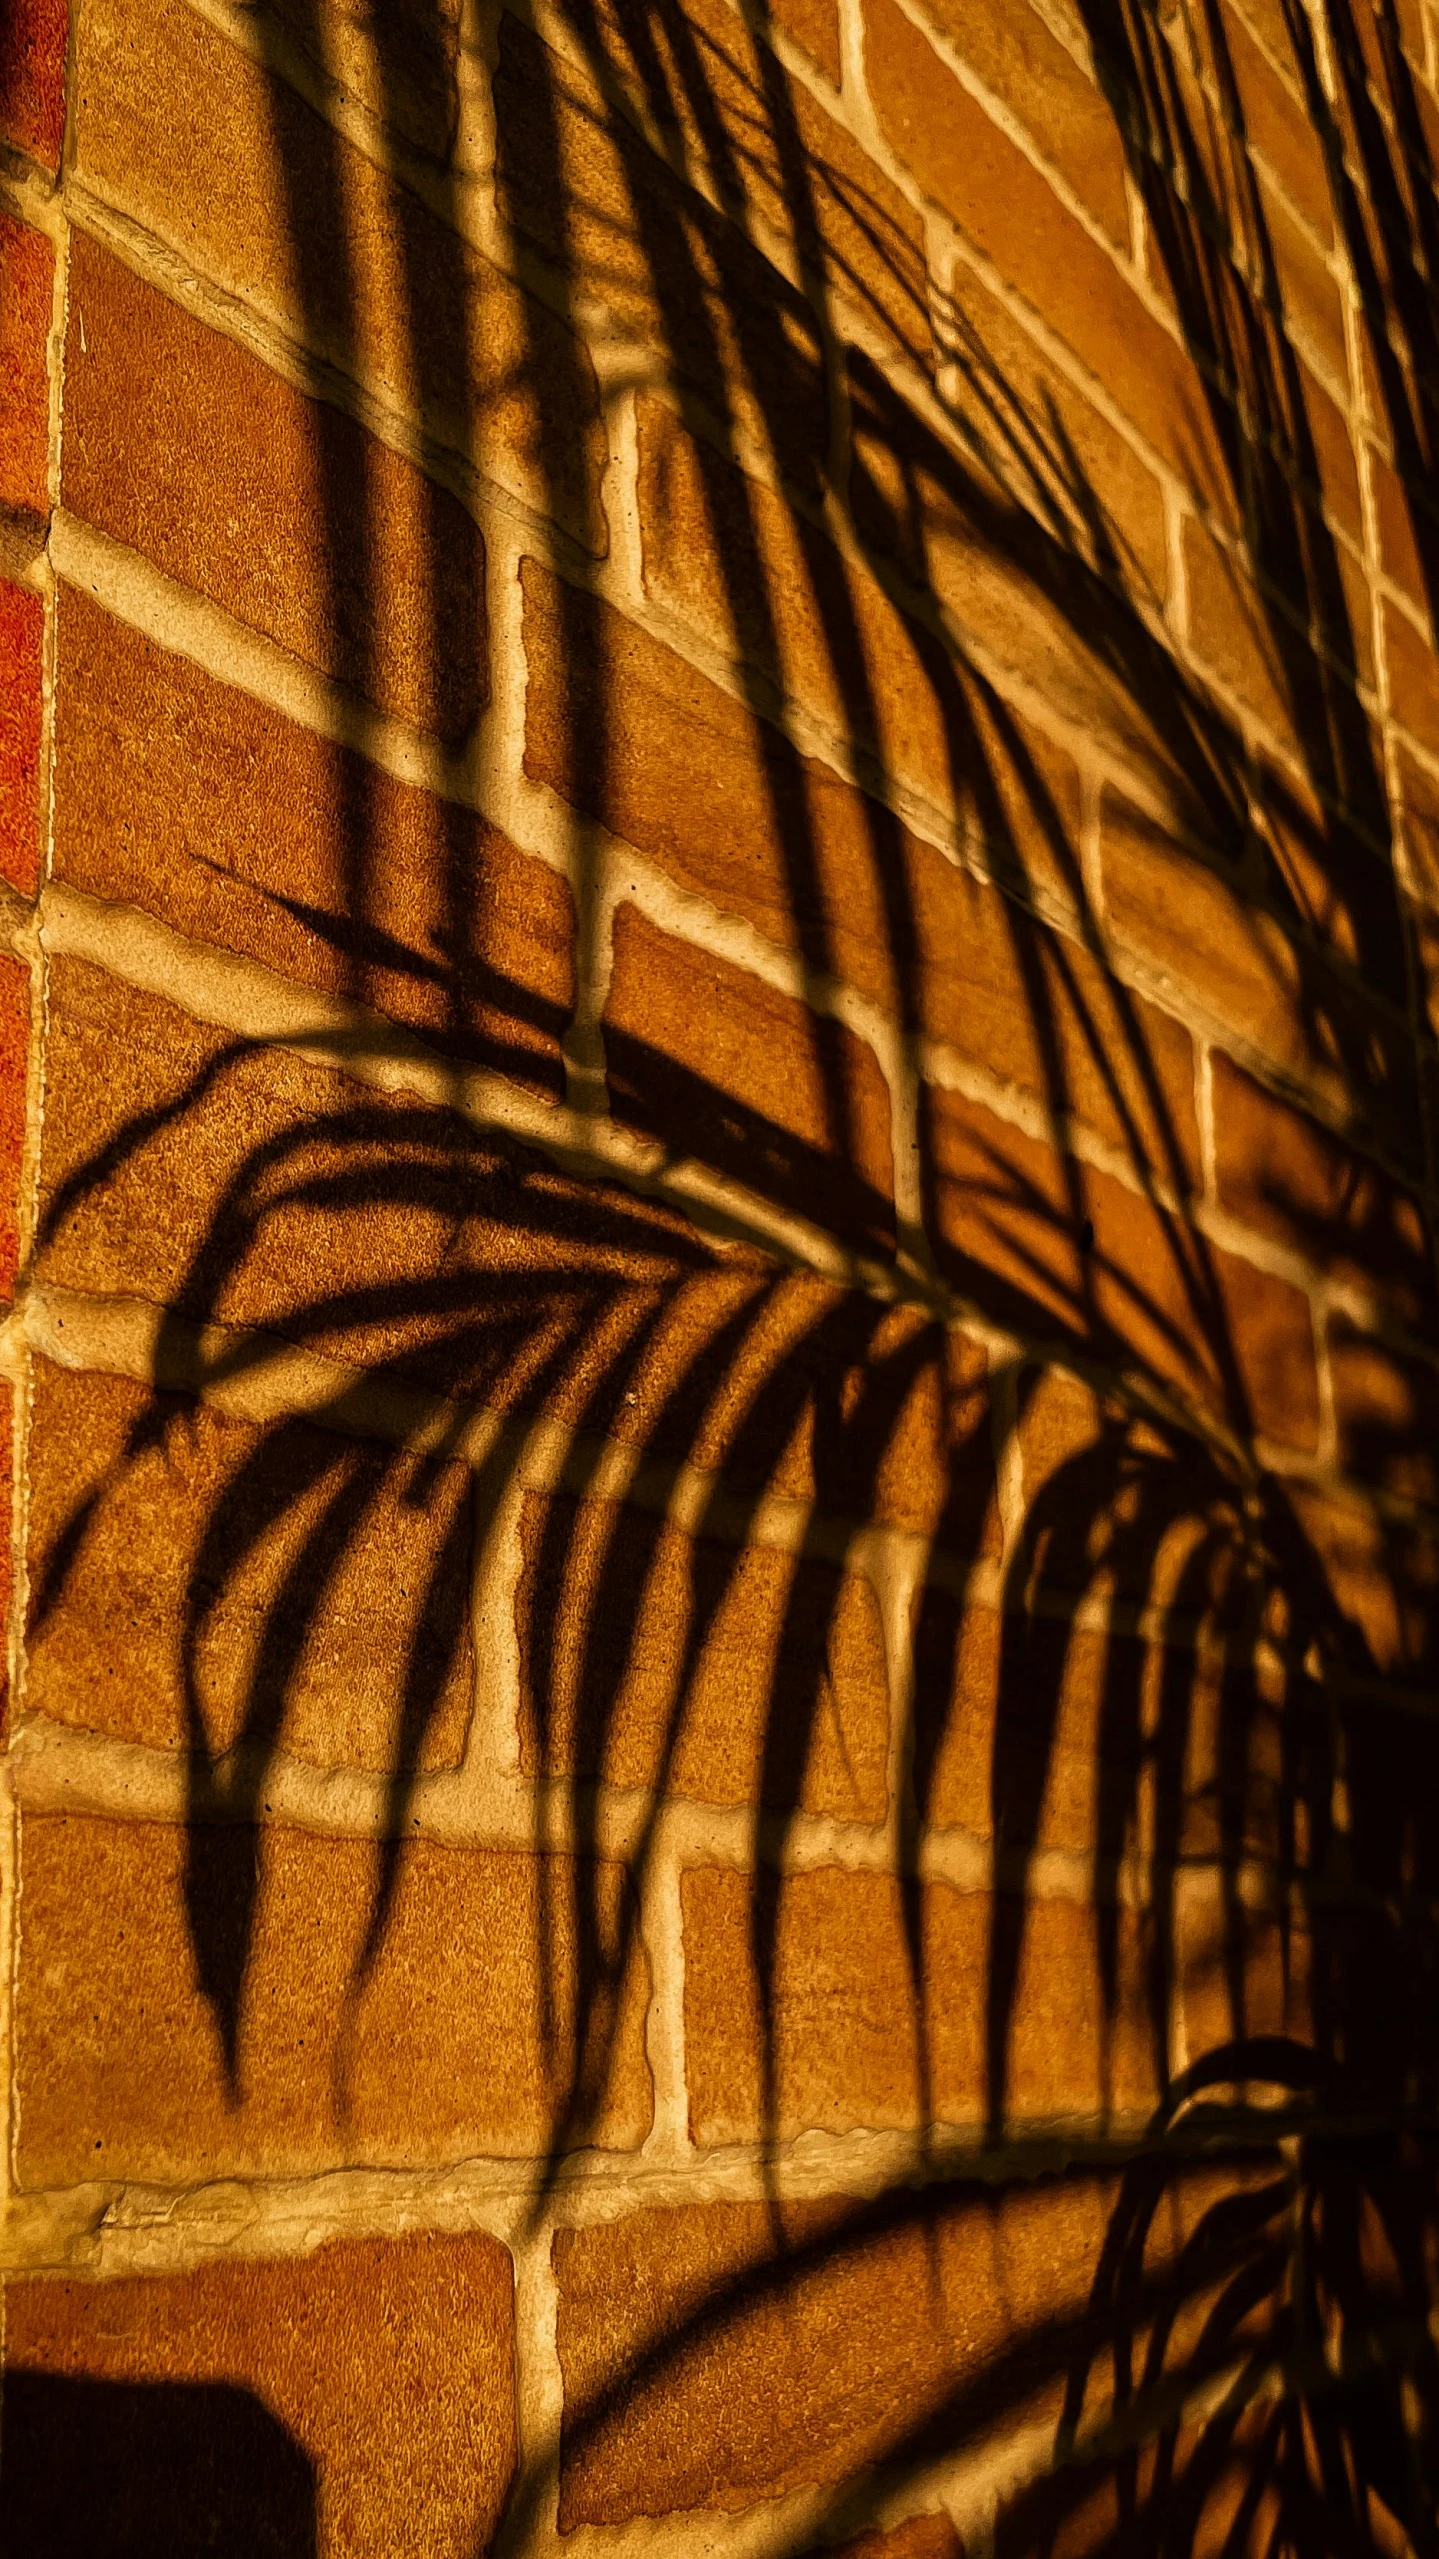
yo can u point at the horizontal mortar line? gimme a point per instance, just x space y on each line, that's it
115 2227
259 1378
30 195
344 1038
183 621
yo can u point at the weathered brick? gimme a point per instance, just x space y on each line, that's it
731 1674
1286 1175
815 25
32 78
194 139
752 1083
14 1062
297 522
577 181
183 795
1065 112
196 1581
463 2012
1386 1414
27 271
720 2353
1008 210
399 60
341 2402
1044 1240
22 645
831 2006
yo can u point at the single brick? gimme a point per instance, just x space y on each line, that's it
302 525
1287 1176
197 142
751 1083
194 1170
577 180
32 78
1009 211
184 795
1201 930
454 2003
27 283
1041 1240
22 649
196 1582
345 2402
1068 117
731 1674
823 2002
1386 1414
14 1061
720 2353
1242 637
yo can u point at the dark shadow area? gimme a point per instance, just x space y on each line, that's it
124 2470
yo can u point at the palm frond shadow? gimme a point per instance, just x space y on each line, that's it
1251 2362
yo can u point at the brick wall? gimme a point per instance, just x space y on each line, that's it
719 814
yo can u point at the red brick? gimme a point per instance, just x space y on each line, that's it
32 78
1009 1216
730 1674
749 1082
14 1060
344 2402
185 796
314 1589
27 273
186 132
461 2029
302 526
22 649
1287 1176
822 2012
1008 210
717 2354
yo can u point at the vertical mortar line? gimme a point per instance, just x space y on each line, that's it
539 2382
620 492
662 1929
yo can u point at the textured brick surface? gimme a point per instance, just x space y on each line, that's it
185 796
300 524
32 78
196 1580
22 641
680 1694
333 2402
428 2027
27 271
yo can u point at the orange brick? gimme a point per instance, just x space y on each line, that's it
257 1189
201 145
32 78
1275 126
731 1674
818 2009
302 526
1008 210
1413 676
185 796
1068 117
1386 1413
22 645
27 272
1010 1217
463 2013
1287 1176
339 2402
722 1068
721 2353
314 1590
923 2537
577 181
1381 1585
402 66
815 25
1244 639
14 1058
